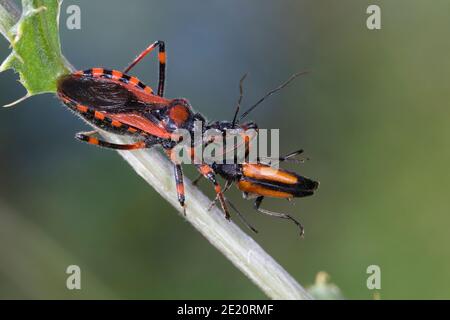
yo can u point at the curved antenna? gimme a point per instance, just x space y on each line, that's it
295 75
241 96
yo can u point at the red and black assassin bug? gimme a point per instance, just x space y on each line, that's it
116 102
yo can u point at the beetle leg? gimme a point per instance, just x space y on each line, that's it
241 216
288 158
291 155
257 205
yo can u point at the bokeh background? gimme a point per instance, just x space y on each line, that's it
372 115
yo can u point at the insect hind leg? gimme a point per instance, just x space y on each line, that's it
257 207
241 216
91 138
162 63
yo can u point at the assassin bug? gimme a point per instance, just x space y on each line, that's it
116 102
113 101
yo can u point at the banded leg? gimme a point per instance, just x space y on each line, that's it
178 172
257 205
162 63
227 186
200 176
209 174
89 138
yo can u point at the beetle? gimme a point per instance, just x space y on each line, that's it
259 180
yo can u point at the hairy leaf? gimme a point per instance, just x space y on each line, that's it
36 50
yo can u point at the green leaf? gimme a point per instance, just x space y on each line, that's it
36 50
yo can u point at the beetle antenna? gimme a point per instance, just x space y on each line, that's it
295 75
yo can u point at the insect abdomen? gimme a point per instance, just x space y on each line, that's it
263 180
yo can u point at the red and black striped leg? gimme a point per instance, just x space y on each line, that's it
180 185
89 138
257 205
162 63
209 174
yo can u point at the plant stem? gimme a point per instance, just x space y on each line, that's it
226 236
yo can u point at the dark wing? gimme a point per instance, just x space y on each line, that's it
101 94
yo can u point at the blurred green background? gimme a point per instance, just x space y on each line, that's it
372 115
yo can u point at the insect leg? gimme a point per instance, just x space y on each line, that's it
89 138
178 172
162 63
288 158
209 174
291 155
241 96
241 216
197 180
227 186
257 205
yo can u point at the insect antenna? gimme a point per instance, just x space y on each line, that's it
241 96
295 75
